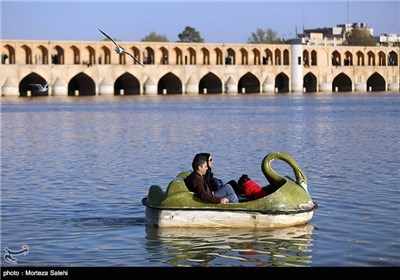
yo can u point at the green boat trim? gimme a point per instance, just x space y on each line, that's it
231 209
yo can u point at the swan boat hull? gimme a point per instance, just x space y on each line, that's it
287 204
204 218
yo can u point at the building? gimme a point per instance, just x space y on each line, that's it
335 36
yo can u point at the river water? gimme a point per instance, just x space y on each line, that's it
75 169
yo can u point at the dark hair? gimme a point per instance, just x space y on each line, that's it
207 156
198 160
243 179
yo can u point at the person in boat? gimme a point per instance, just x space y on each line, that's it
250 188
196 183
217 185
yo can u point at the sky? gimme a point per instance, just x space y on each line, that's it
220 21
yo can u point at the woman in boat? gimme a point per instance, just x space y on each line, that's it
250 188
217 184
198 184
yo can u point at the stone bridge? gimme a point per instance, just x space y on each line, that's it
93 68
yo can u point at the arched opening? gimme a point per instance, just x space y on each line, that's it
310 82
31 86
249 84
210 83
376 83
127 84
81 84
282 83
342 82
169 84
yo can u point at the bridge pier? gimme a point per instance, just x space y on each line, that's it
360 87
325 87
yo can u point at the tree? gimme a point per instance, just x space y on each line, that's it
154 37
190 35
261 36
360 37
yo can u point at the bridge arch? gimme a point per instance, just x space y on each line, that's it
218 56
164 56
41 55
282 83
269 57
58 57
393 58
148 56
376 82
210 83
371 58
28 54
26 87
381 58
127 84
9 57
75 54
342 82
249 83
169 84
230 58
81 84
105 55
336 58
310 82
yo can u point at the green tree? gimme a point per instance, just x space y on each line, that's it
263 36
190 35
360 37
154 37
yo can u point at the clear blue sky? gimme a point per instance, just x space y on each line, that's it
216 21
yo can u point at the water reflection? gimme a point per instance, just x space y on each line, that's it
232 247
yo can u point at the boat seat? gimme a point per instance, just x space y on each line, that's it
177 185
155 195
183 174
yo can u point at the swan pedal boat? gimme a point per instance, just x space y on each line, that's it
288 203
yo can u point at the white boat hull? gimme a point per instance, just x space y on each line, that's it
215 218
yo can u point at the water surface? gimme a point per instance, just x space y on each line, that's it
74 171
